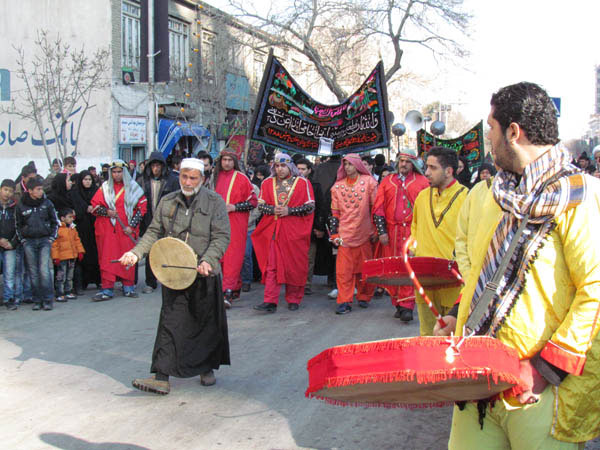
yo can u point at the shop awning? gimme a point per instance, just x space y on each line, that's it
169 134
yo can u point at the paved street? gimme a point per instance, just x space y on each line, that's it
66 382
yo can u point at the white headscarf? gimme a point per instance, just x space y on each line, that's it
133 191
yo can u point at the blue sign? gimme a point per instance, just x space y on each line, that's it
556 101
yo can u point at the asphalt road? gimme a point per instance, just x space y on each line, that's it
66 381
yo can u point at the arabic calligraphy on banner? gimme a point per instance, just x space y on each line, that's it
287 117
469 145
10 137
132 130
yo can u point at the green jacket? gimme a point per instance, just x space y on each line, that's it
209 231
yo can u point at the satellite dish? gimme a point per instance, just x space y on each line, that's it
398 129
437 128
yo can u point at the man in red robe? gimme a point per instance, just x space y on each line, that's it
282 238
392 215
119 206
235 188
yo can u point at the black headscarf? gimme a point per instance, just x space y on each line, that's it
464 177
59 195
85 193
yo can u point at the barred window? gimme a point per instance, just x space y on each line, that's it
179 46
130 35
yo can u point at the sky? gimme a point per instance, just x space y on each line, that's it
548 42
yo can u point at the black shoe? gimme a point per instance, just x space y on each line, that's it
131 294
48 308
406 315
28 301
363 303
36 307
12 306
307 290
343 308
266 307
245 287
293 306
378 292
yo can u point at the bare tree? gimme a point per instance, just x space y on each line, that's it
329 32
58 83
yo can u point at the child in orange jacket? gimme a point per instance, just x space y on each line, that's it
66 248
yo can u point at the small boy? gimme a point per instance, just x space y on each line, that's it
8 245
37 227
65 249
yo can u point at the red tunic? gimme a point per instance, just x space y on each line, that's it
111 239
395 200
291 234
234 187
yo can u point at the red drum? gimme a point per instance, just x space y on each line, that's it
433 273
413 372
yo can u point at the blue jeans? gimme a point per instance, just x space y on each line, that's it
247 269
23 285
64 277
38 262
9 272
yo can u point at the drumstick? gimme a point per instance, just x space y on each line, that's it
415 281
178 267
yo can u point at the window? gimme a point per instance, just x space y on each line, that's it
259 68
130 35
208 56
236 57
179 47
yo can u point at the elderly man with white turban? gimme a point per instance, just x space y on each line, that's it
192 336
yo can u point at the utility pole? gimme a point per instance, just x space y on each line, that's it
151 101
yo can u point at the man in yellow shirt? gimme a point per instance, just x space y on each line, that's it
434 226
546 305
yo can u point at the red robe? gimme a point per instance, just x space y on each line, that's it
111 239
291 234
234 187
395 200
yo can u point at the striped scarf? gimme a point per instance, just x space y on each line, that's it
549 187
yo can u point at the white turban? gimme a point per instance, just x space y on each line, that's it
192 163
596 150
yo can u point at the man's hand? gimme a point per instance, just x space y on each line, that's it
532 383
90 208
448 329
4 243
230 207
128 230
128 259
204 269
384 239
374 238
281 211
319 233
111 213
8 246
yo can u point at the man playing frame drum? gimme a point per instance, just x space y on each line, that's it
546 304
192 334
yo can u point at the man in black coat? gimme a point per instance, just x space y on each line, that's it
156 181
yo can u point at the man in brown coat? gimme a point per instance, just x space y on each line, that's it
192 334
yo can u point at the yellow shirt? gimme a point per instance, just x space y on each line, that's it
558 311
435 233
468 218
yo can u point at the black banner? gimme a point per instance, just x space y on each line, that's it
469 145
285 116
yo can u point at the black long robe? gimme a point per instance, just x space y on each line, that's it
192 333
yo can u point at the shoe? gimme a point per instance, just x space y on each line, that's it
245 287
28 300
147 290
293 306
152 385
333 294
101 297
131 294
266 307
208 378
236 294
36 307
48 308
378 292
363 303
404 314
61 299
227 303
71 296
307 290
12 306
343 308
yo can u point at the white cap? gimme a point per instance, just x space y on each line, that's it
192 163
